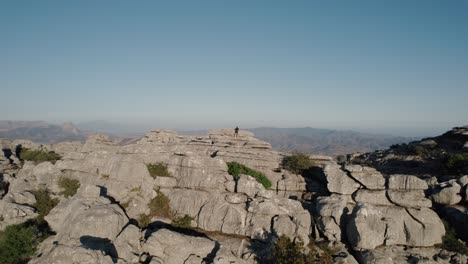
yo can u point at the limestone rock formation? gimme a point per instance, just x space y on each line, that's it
165 246
448 193
356 208
339 181
373 226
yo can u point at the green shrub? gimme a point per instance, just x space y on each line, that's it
297 163
285 251
158 169
143 220
159 206
18 243
183 222
44 203
341 159
235 169
450 241
419 151
69 186
38 155
456 164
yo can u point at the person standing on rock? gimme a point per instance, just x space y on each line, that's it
236 131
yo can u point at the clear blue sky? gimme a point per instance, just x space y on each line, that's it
375 65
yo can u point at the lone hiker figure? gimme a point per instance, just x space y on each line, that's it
236 132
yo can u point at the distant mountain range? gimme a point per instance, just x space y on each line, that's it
325 141
40 132
307 139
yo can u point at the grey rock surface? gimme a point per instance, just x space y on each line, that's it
339 181
406 182
170 247
368 177
410 199
450 194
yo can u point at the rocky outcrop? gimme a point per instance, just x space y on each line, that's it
352 205
447 193
339 181
373 226
372 214
368 177
13 213
165 246
406 183
399 254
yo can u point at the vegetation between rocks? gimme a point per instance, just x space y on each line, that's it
450 241
69 186
158 169
44 203
235 169
143 220
159 206
456 164
18 243
297 163
39 155
182 222
285 251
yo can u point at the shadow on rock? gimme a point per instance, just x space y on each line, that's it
102 244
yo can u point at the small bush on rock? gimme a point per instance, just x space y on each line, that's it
39 155
297 163
456 164
143 220
44 203
159 206
158 169
341 159
69 186
19 242
419 151
450 241
183 222
235 169
285 251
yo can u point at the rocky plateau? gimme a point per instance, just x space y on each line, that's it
364 208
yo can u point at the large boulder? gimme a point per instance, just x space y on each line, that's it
169 247
333 212
413 199
78 218
373 226
291 185
198 172
248 185
263 212
366 229
447 193
406 183
12 213
219 215
338 181
369 177
378 197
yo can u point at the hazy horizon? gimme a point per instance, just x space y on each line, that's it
398 68
138 128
